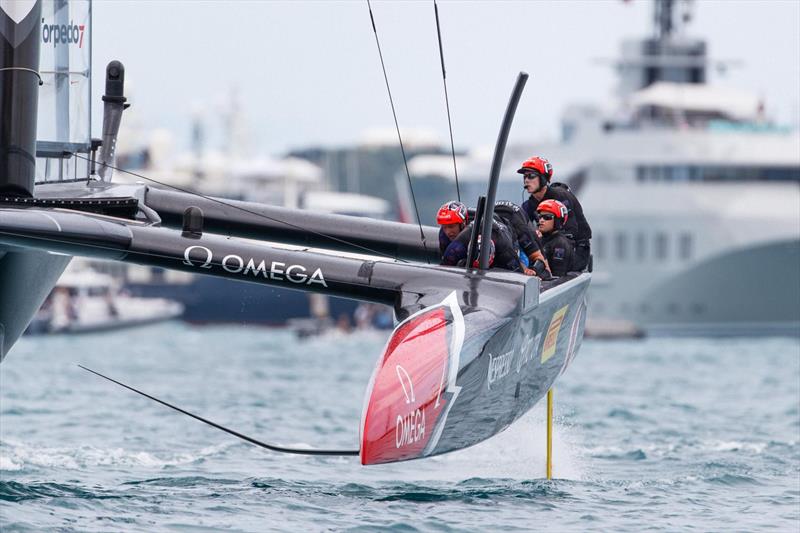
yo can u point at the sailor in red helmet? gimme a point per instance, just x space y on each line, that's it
537 173
452 218
556 247
504 251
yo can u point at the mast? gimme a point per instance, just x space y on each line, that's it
497 163
19 95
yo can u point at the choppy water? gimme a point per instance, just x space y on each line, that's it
665 434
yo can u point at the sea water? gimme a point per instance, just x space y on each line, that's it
668 434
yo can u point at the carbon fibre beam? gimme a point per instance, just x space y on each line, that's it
303 228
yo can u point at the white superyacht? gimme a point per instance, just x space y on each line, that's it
692 194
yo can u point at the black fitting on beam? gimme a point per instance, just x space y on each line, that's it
115 83
193 222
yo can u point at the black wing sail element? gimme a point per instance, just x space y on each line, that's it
26 276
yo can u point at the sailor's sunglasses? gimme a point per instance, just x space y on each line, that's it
547 216
530 176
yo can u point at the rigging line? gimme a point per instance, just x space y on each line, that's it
396 125
245 210
446 98
251 440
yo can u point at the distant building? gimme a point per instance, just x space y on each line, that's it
375 166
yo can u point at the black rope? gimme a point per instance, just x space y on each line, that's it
446 99
245 210
397 125
251 440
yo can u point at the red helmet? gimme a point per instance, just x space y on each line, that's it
452 213
539 165
555 208
476 262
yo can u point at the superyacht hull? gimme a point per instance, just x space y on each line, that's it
754 291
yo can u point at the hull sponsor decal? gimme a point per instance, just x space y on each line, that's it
414 386
499 366
549 347
528 349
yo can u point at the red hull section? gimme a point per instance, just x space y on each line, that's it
409 391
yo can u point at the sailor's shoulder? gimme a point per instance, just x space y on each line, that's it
564 196
557 193
559 239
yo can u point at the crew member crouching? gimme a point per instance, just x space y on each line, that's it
556 247
537 173
506 251
452 218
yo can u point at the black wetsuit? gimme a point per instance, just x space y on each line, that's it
506 253
444 242
576 227
559 250
517 220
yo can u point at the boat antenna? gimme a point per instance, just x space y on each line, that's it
497 162
251 440
396 124
446 99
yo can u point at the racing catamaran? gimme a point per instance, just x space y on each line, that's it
473 350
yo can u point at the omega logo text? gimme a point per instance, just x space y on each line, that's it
236 264
409 429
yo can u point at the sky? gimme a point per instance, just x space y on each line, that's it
308 73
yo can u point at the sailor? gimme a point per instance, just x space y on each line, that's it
517 220
537 173
452 218
506 254
557 248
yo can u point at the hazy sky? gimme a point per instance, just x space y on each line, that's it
309 73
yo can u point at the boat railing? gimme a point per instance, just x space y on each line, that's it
57 161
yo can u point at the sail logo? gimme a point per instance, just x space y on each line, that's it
236 264
63 34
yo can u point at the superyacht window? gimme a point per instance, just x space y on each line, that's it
641 247
599 246
621 242
685 246
716 173
661 246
